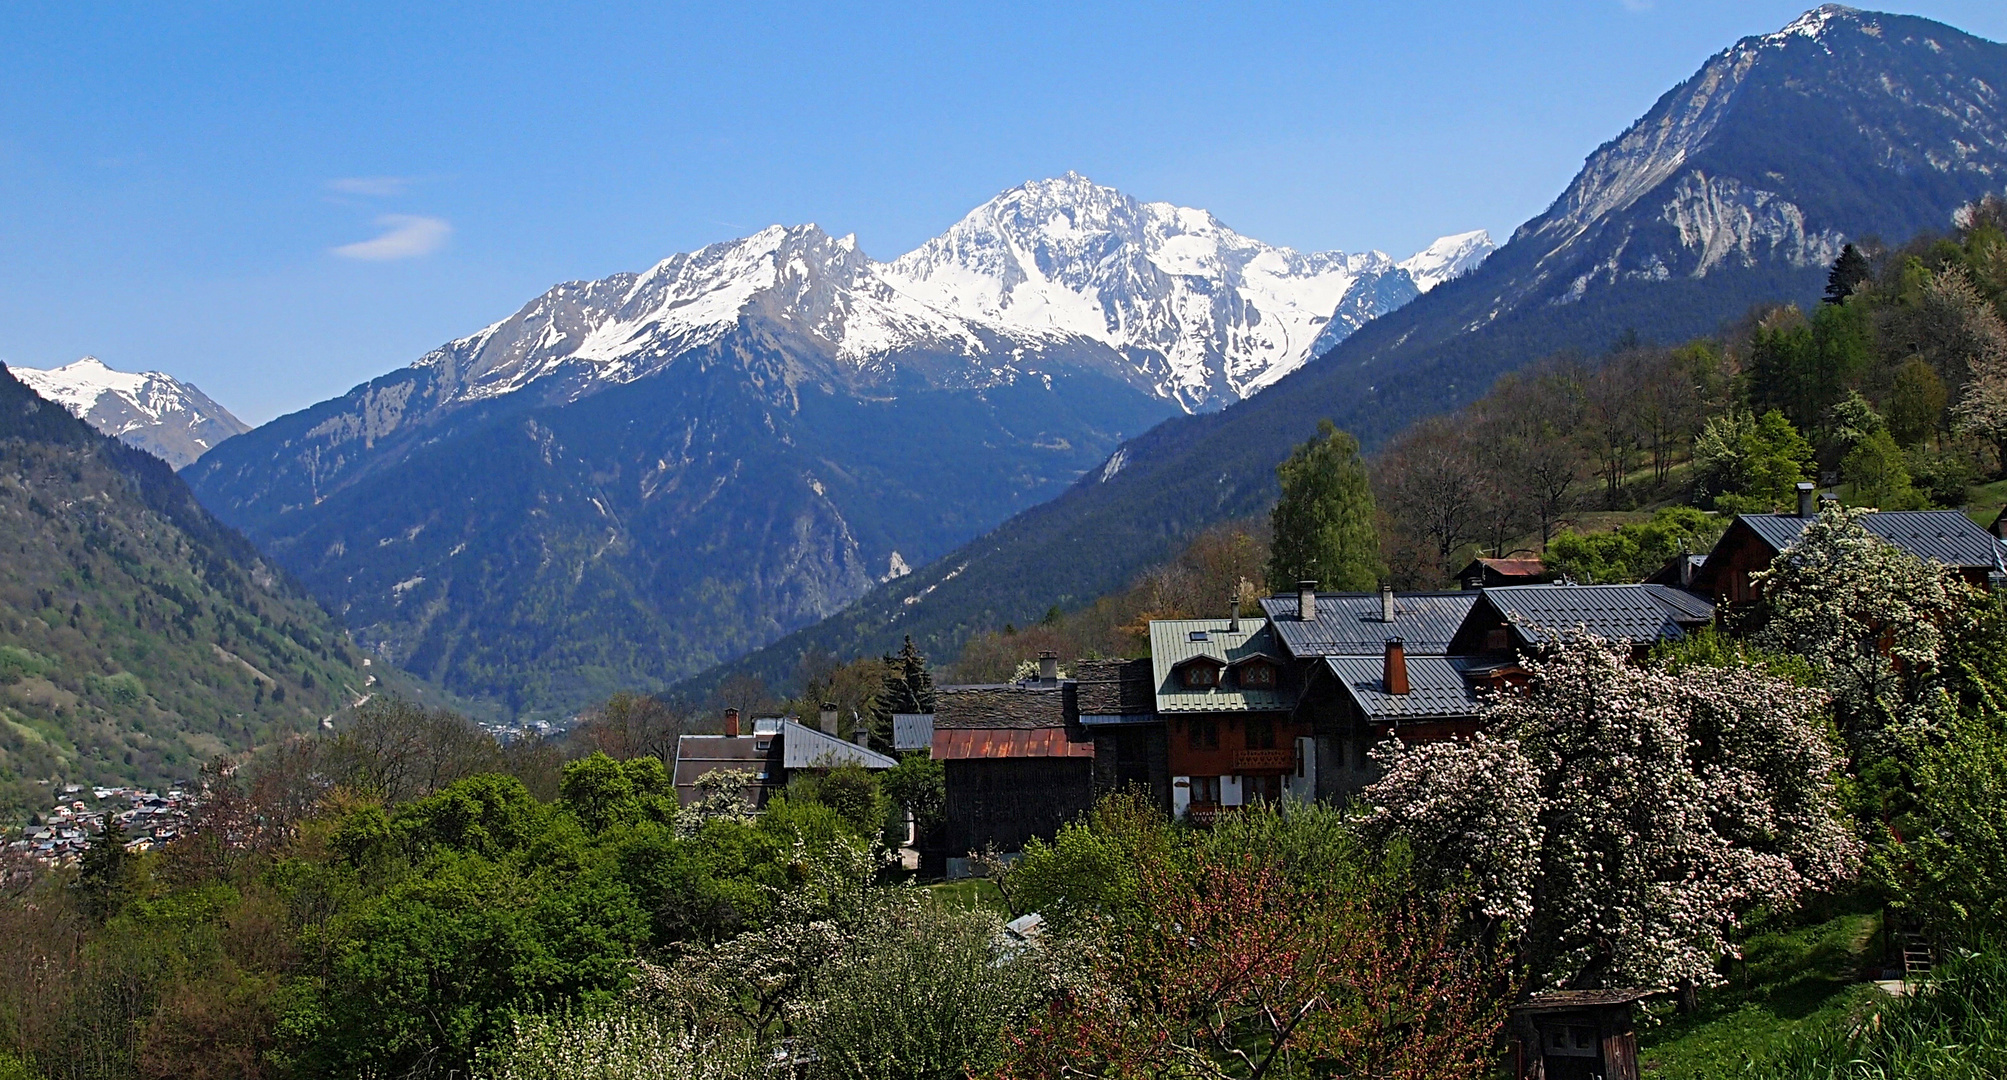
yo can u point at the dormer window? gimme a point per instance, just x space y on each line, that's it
1201 677
1258 675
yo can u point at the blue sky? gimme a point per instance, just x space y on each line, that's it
277 201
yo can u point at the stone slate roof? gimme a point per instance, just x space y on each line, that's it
1173 641
1001 705
1348 624
1546 614
1941 536
1115 691
1438 688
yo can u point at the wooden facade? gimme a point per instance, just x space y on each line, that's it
1004 802
1576 1035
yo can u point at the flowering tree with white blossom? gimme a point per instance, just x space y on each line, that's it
1873 621
1620 819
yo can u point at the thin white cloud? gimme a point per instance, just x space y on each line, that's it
408 237
378 186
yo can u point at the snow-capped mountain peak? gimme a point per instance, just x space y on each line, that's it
151 410
1208 314
1164 297
1448 257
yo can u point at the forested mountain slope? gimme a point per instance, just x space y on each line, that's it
632 479
139 637
1739 186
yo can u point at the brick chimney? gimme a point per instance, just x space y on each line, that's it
732 723
827 719
1048 667
1394 672
1386 601
1807 503
1306 601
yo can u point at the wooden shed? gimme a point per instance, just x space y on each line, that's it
1576 1035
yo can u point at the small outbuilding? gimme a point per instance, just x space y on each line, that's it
1484 573
1576 1035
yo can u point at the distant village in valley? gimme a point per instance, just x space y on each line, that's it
146 819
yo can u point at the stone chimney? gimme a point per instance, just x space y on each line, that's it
826 720
1394 672
1807 502
1233 621
732 723
1306 600
1048 667
1386 601
861 734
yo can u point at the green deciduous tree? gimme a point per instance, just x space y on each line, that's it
1945 861
1877 474
1750 463
1323 523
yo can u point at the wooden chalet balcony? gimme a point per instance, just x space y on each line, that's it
1205 815
1251 762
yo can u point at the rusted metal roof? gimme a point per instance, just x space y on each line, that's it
963 744
1516 567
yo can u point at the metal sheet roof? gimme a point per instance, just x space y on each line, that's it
1545 614
1349 624
1171 643
1941 536
1437 688
964 744
912 731
806 748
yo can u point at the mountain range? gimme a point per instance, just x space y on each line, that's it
633 479
1737 187
154 411
139 637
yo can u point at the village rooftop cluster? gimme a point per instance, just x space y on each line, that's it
149 819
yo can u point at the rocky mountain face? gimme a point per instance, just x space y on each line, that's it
139 637
632 479
154 411
1737 187
1204 315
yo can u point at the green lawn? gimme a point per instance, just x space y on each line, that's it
1786 978
970 892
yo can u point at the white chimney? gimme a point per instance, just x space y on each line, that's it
1048 667
1306 600
826 720
1387 602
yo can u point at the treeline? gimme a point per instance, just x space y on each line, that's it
1894 389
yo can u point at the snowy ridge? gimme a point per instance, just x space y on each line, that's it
1448 257
1209 315
1163 297
150 410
